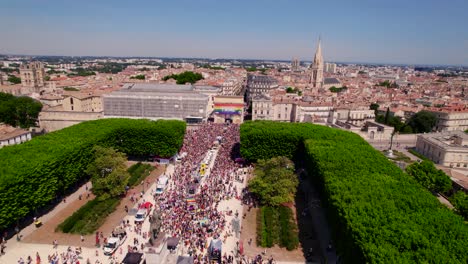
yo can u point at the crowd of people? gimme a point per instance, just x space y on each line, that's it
188 214
194 216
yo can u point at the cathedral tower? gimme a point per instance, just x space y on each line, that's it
316 70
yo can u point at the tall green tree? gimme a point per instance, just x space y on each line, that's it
27 110
14 80
387 116
375 107
274 182
19 111
429 176
108 172
460 202
422 121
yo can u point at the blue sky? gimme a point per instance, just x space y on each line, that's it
396 31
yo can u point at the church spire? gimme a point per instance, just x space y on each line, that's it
318 58
316 74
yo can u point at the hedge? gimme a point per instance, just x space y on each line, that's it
271 226
35 173
276 225
261 231
138 172
288 237
267 139
378 213
89 217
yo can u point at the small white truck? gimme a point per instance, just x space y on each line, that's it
162 184
114 242
141 216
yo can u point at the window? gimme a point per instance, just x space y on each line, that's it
279 115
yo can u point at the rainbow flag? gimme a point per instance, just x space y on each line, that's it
228 109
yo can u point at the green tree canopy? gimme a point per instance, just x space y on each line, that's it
429 176
19 111
334 89
81 72
274 182
185 77
422 121
13 79
460 202
138 77
108 172
292 90
375 107
378 213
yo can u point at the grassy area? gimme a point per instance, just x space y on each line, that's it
399 156
89 217
93 214
276 225
138 172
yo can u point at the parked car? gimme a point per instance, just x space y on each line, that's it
113 242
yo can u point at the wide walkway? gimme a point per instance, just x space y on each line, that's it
16 250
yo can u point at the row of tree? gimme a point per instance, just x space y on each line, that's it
334 89
275 182
377 212
138 77
35 173
274 185
14 79
185 77
388 84
438 182
19 111
429 176
421 122
81 72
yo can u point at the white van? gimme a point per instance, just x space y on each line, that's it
140 216
181 156
162 184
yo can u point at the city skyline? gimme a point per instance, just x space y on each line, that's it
394 33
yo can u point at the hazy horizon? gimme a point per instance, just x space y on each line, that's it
427 33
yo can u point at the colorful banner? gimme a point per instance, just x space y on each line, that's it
228 109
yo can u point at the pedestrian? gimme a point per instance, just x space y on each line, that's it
82 238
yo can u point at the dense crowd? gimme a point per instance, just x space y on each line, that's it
193 216
189 207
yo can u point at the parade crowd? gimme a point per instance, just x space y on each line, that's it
192 215
189 206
